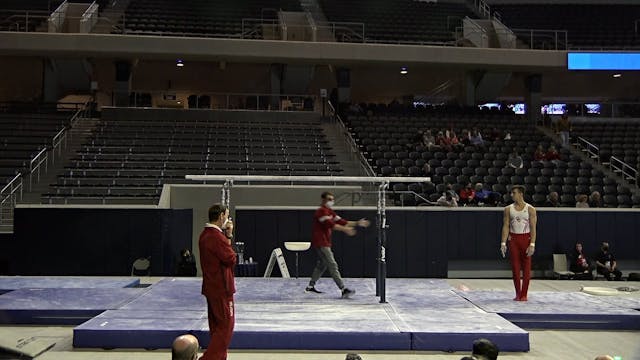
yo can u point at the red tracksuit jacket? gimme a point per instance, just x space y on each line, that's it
217 260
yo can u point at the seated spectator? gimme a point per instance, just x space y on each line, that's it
595 200
426 169
465 137
429 141
453 140
443 141
447 199
186 264
476 138
485 349
467 195
582 201
515 161
580 264
606 264
552 200
185 347
552 154
485 197
496 134
452 192
539 155
507 136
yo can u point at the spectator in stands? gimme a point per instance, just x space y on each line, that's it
553 200
453 139
447 199
580 264
185 347
476 138
429 141
507 136
606 264
443 141
465 138
186 264
563 126
539 155
595 200
496 134
467 195
426 169
485 349
515 161
485 197
582 201
552 154
452 192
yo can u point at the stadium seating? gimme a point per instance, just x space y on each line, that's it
588 26
387 141
130 160
403 21
22 136
620 139
200 18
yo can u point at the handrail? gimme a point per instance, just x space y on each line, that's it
8 192
591 149
364 164
551 34
626 170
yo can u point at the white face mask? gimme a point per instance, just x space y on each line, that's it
330 203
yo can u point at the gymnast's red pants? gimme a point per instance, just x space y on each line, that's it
221 321
518 244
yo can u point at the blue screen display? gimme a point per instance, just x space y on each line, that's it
603 61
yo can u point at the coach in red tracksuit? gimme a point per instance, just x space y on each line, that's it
519 228
218 260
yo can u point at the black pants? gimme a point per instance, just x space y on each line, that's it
607 274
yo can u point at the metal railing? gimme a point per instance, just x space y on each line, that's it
20 20
222 101
541 39
253 28
351 143
343 31
9 197
626 171
589 148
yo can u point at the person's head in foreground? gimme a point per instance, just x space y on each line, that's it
485 349
353 356
185 347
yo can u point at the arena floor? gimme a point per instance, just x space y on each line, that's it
545 344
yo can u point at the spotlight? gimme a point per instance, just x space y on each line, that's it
403 70
617 75
179 63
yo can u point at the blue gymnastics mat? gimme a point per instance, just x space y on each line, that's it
10 283
61 306
276 313
559 310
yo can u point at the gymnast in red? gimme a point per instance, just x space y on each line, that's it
519 228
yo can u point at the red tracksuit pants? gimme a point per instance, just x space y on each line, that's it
518 244
221 313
